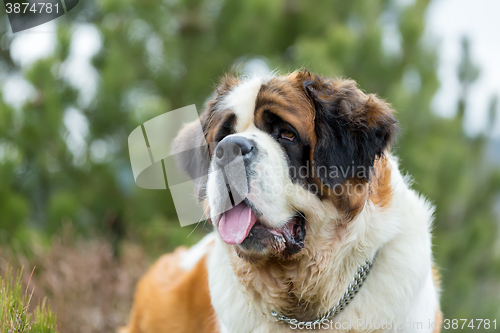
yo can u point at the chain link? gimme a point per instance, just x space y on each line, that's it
349 294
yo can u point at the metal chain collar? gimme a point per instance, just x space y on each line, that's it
349 294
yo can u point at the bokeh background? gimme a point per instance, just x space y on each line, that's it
73 89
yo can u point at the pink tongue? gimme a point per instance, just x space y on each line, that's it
236 223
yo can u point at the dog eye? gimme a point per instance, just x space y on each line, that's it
287 135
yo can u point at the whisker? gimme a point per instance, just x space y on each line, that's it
204 214
193 229
302 215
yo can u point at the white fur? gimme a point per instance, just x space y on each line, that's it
191 257
241 100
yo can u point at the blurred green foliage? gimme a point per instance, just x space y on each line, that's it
14 304
158 56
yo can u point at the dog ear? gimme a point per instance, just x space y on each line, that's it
191 153
191 148
353 129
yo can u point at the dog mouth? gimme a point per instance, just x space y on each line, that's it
242 227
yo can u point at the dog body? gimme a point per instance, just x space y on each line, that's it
319 195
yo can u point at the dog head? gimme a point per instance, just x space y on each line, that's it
286 156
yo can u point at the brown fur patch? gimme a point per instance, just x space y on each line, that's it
436 278
169 299
349 197
438 319
380 184
287 100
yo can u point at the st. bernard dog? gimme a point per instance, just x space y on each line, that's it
329 236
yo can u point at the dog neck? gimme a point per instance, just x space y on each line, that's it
357 282
303 288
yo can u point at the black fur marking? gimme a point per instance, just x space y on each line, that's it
352 129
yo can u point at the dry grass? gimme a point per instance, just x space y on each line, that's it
89 288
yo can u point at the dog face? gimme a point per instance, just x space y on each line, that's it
288 156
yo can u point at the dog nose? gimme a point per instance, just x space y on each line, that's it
230 147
